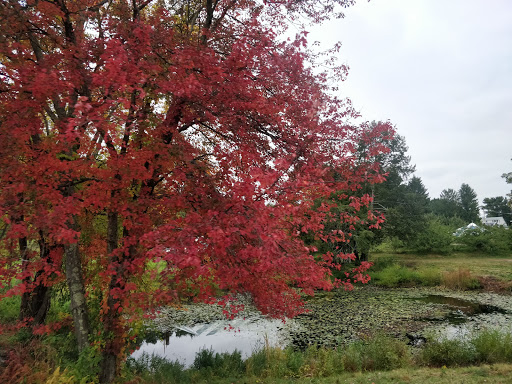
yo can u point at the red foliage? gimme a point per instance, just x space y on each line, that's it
207 138
30 363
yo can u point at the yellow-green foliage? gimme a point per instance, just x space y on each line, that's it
397 275
59 377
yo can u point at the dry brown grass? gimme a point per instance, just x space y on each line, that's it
492 284
460 279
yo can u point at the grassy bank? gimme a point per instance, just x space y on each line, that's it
380 359
457 271
497 373
484 356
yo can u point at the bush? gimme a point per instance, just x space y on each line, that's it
294 362
435 239
31 362
383 262
270 362
490 240
87 367
429 277
379 353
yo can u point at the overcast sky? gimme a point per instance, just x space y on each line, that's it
441 71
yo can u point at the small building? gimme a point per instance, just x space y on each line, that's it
494 221
471 227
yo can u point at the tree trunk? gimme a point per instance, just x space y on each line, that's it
35 302
111 318
25 298
77 293
112 322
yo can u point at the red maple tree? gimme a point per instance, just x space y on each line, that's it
183 144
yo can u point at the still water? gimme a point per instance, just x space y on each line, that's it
458 322
244 335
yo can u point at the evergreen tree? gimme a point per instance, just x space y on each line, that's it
468 203
497 207
447 205
462 204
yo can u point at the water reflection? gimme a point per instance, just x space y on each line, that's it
182 344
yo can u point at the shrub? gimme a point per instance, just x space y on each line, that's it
294 361
87 367
388 273
389 245
485 347
59 377
383 262
31 362
489 240
396 276
435 239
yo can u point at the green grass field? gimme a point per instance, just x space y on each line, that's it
495 273
497 373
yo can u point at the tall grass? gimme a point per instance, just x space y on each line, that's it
493 347
155 369
379 353
460 279
484 347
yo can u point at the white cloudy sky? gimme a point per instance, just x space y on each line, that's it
441 71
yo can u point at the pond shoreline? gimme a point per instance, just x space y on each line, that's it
341 317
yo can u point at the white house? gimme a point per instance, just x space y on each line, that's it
471 227
494 221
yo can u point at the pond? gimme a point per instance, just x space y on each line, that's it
465 316
334 318
461 310
244 335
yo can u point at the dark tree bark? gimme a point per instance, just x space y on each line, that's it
111 318
35 301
